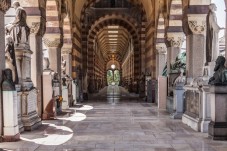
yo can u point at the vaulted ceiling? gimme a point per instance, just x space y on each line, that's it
113 40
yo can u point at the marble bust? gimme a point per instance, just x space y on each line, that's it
220 72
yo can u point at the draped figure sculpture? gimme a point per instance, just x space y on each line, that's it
212 46
10 57
19 29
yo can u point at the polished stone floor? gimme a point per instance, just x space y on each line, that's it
117 122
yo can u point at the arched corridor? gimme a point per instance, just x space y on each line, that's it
113 75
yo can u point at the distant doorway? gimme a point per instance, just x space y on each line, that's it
113 77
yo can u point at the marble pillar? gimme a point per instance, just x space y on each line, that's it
53 44
160 58
65 96
49 111
4 6
11 129
36 47
162 92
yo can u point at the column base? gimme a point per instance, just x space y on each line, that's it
218 130
176 115
31 121
192 122
11 138
204 126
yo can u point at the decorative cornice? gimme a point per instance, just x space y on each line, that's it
34 28
5 5
175 39
197 23
52 42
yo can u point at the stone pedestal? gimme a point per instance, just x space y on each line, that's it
218 124
19 108
30 118
74 92
65 96
48 101
162 92
23 59
10 116
205 108
178 95
192 114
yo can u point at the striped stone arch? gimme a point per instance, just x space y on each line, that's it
89 3
99 25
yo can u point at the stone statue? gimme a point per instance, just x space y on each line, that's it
55 80
64 82
63 66
8 84
212 46
180 79
10 57
220 72
19 29
46 61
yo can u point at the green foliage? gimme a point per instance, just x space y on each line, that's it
180 63
113 77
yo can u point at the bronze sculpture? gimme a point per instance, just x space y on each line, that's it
10 57
220 75
8 84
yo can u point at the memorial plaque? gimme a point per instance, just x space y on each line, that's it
32 101
192 103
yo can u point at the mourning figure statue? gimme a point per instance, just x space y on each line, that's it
220 72
19 29
8 84
10 57
55 80
63 66
212 46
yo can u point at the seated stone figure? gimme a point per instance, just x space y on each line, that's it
220 75
19 29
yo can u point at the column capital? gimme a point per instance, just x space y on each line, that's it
34 27
54 42
175 39
197 23
66 51
161 48
5 5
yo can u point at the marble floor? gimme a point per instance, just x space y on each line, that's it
114 124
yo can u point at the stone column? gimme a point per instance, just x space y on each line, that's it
197 110
161 58
196 45
36 60
4 6
53 44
